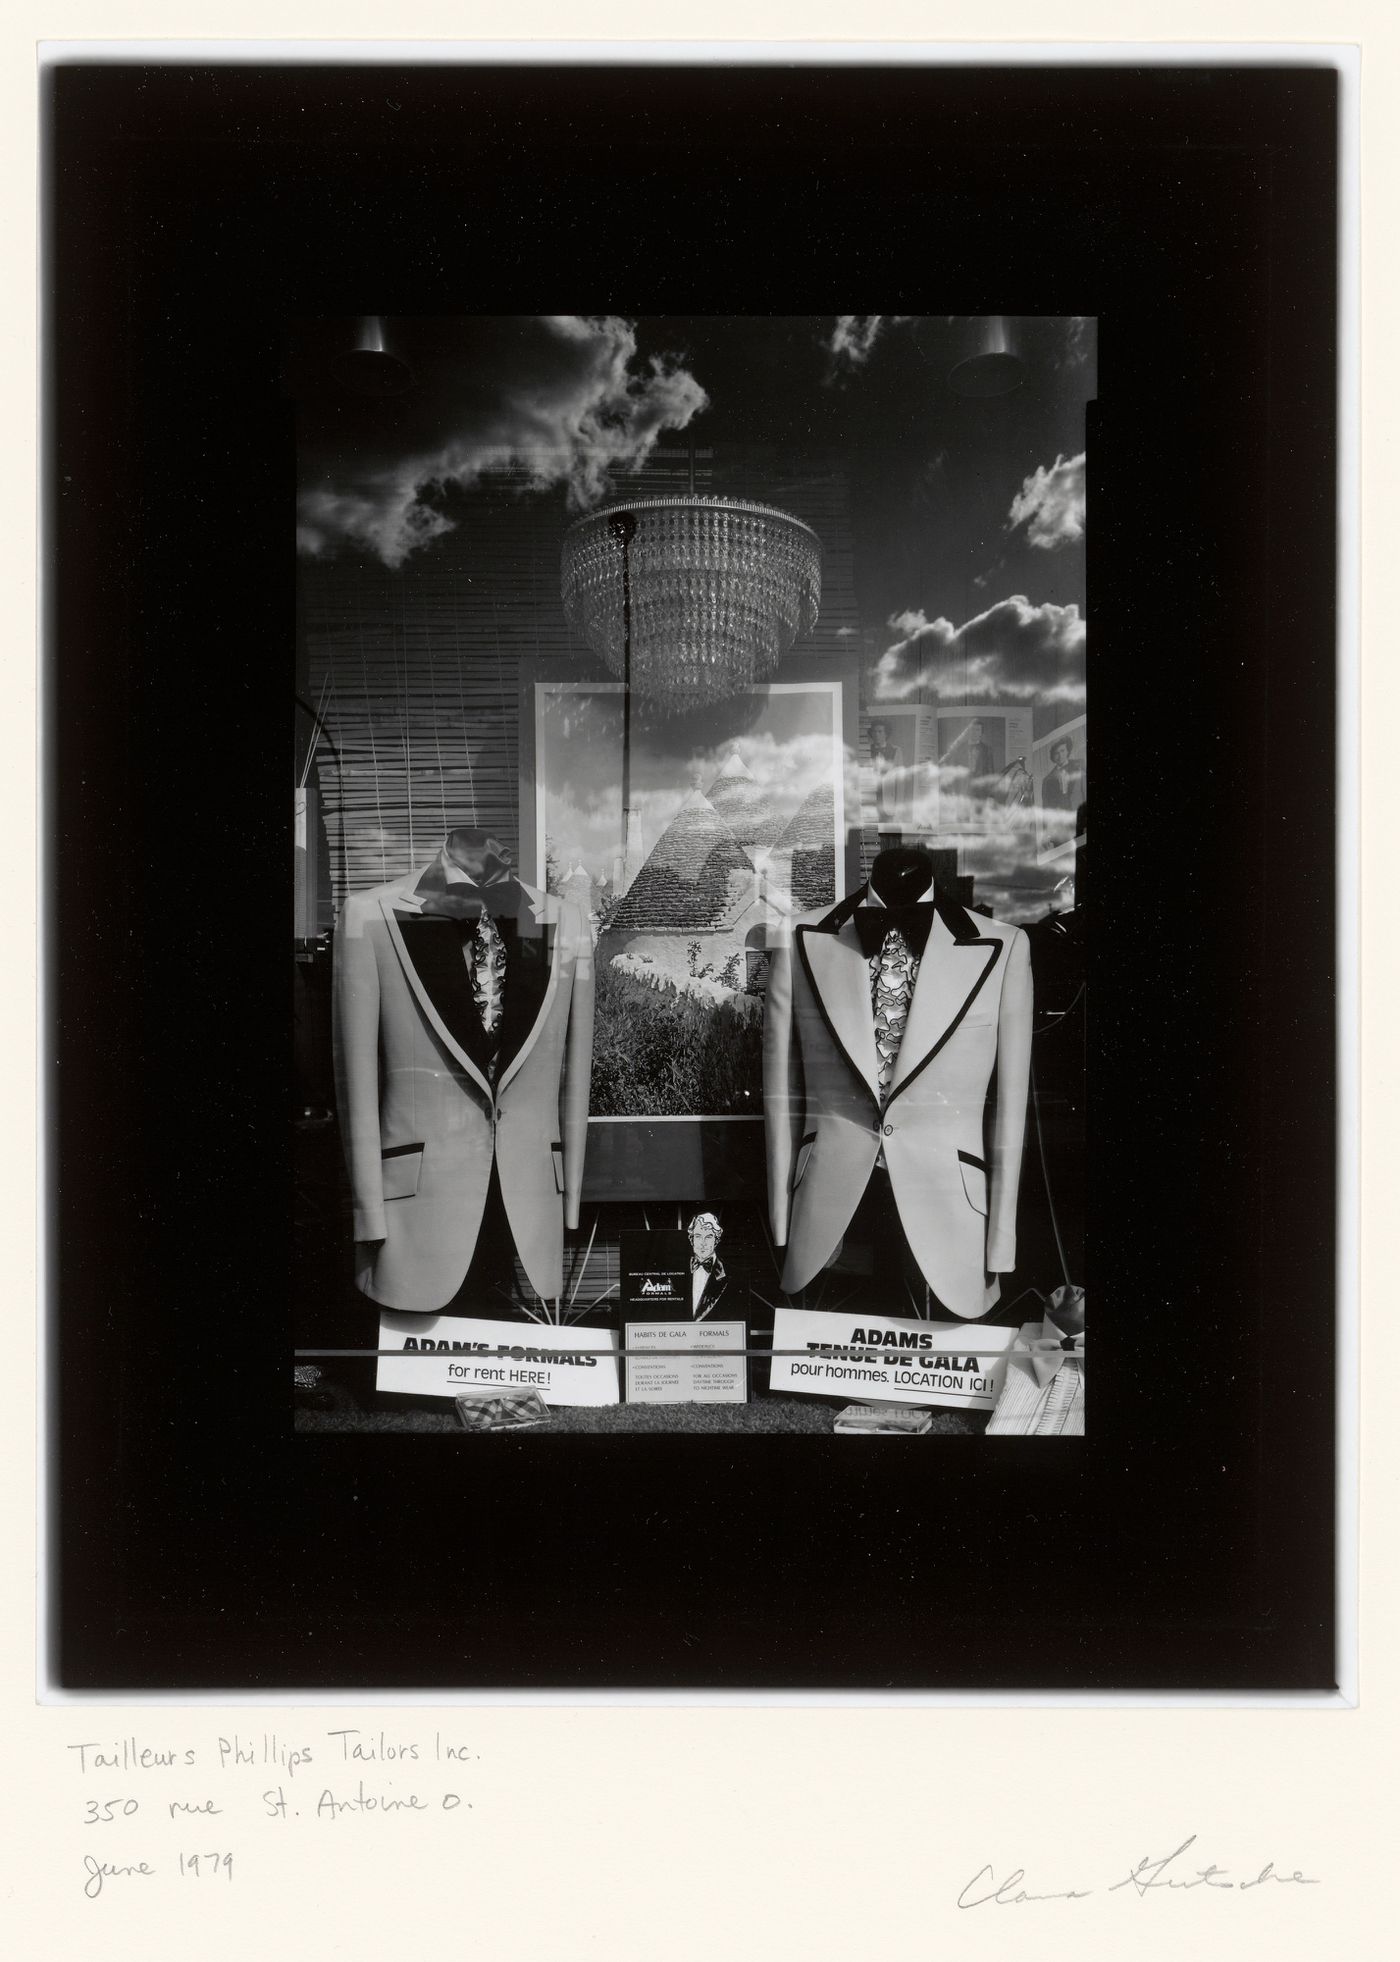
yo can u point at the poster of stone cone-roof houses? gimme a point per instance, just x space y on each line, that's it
736 821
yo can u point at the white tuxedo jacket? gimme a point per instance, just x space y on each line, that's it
421 1123
953 1125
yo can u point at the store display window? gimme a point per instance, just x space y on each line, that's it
690 821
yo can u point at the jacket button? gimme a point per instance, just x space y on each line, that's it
889 1130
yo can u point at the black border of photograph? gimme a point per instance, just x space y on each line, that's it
195 1543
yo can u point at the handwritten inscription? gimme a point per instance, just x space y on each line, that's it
99 1872
1170 1872
142 1832
142 1803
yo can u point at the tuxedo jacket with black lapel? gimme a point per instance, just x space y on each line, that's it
953 1125
720 1302
421 1118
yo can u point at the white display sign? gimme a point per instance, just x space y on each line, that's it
696 1368
438 1355
855 1356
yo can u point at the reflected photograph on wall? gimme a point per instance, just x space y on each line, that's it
897 773
982 776
1061 772
737 822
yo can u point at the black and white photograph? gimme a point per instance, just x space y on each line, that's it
593 858
678 1024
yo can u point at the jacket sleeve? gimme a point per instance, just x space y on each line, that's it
578 1071
782 1078
1009 1117
355 1039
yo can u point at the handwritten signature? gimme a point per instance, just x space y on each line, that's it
1147 1877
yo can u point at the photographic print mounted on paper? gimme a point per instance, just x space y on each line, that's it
436 1156
608 723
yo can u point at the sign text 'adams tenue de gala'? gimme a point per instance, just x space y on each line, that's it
440 1355
902 1361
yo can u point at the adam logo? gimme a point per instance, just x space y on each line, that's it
656 1287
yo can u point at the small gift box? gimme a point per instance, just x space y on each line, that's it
1043 1395
500 1410
883 1420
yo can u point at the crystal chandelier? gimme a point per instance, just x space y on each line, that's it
718 590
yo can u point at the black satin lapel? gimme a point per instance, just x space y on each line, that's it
842 996
959 922
529 953
839 914
435 949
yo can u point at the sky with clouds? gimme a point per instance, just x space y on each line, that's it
565 397
958 503
969 515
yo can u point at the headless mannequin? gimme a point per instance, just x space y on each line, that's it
480 854
486 860
875 1244
902 875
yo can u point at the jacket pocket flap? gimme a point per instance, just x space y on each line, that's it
401 1166
974 1178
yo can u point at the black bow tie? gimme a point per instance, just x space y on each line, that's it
913 922
468 903
711 1265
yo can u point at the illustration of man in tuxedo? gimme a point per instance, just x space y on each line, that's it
708 1281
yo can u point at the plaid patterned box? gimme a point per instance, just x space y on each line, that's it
500 1410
